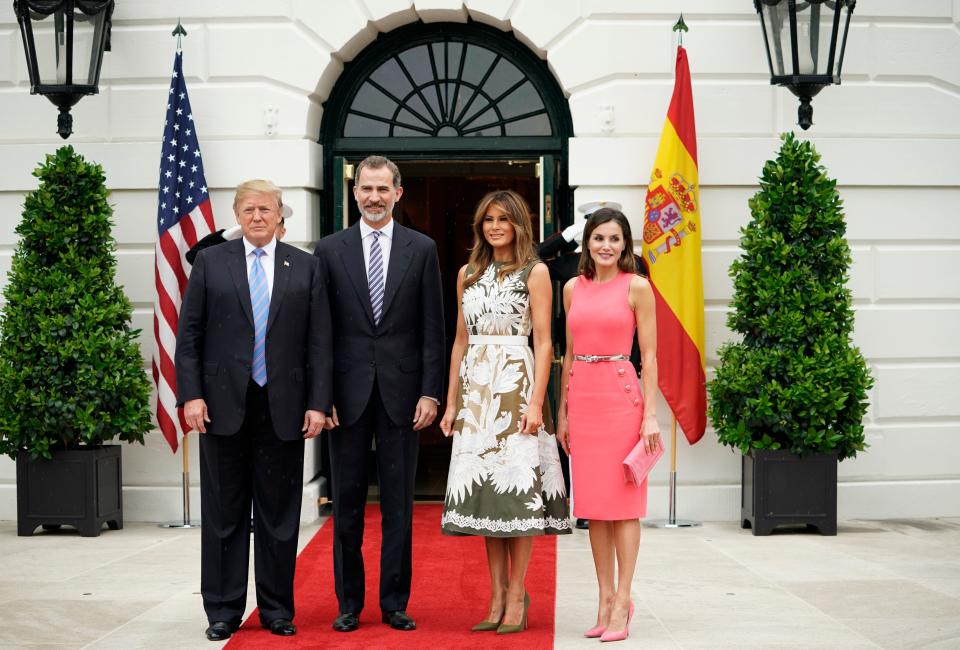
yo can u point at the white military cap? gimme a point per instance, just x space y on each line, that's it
592 206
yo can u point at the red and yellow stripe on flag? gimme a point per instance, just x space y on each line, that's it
671 247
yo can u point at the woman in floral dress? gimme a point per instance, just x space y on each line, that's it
505 481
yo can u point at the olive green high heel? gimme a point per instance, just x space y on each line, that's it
486 626
513 629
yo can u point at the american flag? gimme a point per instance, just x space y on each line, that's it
184 215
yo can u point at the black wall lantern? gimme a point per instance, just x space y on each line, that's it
805 43
64 41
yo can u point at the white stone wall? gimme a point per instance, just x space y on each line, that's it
889 135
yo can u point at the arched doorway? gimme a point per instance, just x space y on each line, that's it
463 109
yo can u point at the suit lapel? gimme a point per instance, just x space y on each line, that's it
238 271
400 258
281 274
351 254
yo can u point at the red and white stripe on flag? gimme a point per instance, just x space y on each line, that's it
184 215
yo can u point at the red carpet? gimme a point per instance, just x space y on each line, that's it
449 594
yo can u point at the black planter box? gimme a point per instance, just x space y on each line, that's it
782 488
79 488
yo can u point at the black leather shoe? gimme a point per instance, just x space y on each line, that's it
399 620
582 524
220 631
280 627
346 622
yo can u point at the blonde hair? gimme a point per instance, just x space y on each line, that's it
257 186
481 253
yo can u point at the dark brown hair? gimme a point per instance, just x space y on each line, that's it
481 253
379 162
627 262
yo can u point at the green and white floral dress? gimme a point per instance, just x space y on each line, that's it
502 483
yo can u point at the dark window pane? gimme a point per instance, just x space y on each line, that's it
417 62
401 132
415 104
479 105
362 127
447 91
504 75
406 118
370 100
477 63
454 52
444 67
536 125
430 94
392 78
425 94
524 99
493 130
486 118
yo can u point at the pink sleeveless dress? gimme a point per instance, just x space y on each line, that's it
604 404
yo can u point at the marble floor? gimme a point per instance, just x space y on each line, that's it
878 584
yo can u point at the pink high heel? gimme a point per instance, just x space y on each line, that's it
595 632
619 636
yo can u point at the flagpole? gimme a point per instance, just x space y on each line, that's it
187 522
672 521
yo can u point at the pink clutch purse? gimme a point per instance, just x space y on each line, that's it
638 463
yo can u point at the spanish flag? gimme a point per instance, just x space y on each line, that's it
671 247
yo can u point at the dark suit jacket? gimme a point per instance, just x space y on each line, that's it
215 339
405 352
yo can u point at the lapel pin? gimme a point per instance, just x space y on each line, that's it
286 263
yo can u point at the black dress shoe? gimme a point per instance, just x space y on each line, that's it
220 631
399 620
346 622
582 524
280 627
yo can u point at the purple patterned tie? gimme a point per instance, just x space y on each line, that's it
375 277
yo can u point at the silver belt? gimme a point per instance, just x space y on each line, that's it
597 358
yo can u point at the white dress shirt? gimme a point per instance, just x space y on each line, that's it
386 240
267 261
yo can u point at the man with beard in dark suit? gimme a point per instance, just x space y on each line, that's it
254 378
385 298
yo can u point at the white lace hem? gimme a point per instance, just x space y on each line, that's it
503 525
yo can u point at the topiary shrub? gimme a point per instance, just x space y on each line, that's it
71 373
794 381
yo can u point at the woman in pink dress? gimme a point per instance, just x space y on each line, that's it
602 413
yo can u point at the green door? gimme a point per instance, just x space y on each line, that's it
549 176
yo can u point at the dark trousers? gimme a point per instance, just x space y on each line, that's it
251 466
397 446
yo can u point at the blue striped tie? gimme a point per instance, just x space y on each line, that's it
375 278
260 300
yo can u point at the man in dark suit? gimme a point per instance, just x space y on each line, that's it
385 297
254 378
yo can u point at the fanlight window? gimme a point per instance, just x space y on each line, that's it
448 88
